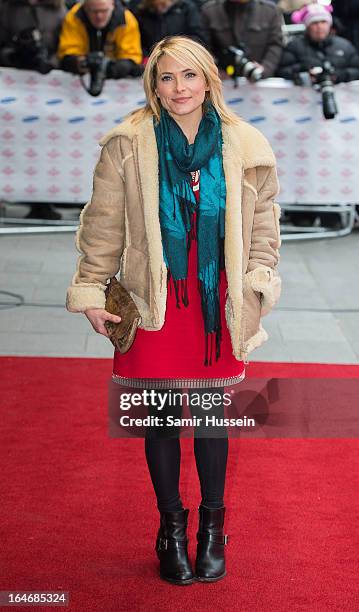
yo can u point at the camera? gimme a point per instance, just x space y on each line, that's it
323 82
29 52
96 63
242 66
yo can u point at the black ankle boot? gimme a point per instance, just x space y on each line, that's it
210 561
171 548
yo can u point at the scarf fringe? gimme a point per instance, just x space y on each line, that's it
181 290
210 302
208 297
210 339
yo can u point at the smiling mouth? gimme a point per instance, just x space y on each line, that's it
181 99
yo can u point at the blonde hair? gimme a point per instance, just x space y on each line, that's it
192 54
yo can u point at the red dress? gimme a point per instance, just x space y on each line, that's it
177 350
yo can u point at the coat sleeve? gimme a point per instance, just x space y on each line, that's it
73 40
273 53
206 30
290 63
265 243
128 40
194 21
101 233
351 71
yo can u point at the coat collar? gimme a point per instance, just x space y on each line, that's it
243 142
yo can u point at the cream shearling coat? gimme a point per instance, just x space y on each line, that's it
120 232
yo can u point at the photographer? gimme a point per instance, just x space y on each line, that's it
160 18
29 31
316 46
96 28
253 26
308 59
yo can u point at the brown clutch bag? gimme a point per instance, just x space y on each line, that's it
119 302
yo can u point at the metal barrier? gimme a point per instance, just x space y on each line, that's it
347 215
15 226
50 127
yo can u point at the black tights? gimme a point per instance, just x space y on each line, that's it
163 455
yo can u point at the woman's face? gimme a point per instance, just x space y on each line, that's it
180 88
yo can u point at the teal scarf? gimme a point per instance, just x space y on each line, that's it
177 159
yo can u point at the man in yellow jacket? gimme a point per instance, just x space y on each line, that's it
101 26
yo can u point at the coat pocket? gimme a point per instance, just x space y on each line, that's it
251 312
135 274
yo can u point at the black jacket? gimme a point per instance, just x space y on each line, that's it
17 16
302 53
346 9
183 17
257 25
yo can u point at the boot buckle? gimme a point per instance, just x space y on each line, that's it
162 544
206 536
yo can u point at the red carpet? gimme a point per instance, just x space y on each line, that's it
79 514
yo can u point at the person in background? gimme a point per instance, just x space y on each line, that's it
311 49
317 45
101 26
29 33
252 25
160 18
348 13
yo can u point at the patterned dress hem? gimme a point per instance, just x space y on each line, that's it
178 383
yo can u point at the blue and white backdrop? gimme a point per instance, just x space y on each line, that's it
50 129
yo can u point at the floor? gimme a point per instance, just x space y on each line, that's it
316 319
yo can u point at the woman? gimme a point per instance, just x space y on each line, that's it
183 196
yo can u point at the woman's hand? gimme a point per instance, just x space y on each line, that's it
97 318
